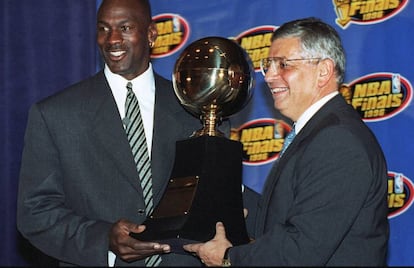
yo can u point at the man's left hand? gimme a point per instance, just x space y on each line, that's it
211 252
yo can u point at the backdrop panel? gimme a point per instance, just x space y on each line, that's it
377 37
48 44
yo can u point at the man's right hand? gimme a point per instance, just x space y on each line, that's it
130 249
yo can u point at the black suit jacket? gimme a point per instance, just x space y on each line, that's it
78 175
324 201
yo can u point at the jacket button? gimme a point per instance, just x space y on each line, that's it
141 211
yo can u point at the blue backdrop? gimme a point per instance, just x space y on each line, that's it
377 37
48 44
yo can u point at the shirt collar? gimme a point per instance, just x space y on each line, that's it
145 80
307 115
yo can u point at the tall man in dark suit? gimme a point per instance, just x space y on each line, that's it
80 194
325 199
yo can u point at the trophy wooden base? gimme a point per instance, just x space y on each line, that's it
205 187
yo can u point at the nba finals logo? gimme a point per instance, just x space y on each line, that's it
400 193
262 139
366 11
378 96
256 41
173 32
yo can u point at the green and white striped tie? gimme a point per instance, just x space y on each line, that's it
138 143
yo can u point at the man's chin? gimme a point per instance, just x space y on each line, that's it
117 69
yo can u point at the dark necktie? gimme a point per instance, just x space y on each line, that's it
138 143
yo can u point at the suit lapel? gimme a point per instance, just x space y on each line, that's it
171 123
324 117
101 111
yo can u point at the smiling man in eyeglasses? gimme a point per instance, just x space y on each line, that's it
325 200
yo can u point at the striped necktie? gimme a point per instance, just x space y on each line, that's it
138 143
288 140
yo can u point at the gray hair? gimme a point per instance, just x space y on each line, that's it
319 40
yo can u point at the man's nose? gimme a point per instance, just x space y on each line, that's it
272 73
114 37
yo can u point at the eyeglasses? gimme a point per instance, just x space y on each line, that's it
279 64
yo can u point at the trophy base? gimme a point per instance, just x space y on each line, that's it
205 187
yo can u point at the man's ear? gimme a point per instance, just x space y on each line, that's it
152 33
326 72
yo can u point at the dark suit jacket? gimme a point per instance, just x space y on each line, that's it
324 201
78 175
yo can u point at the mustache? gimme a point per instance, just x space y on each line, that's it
115 47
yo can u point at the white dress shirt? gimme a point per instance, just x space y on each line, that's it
307 115
144 88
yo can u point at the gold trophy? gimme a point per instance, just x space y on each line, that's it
213 78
